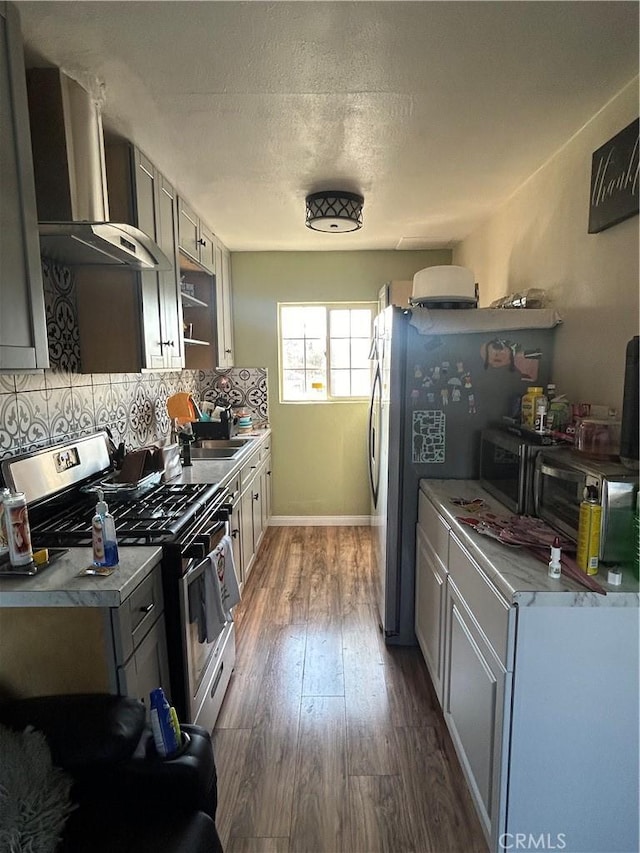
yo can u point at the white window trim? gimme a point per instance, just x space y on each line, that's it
370 304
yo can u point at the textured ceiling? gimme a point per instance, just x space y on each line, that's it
435 111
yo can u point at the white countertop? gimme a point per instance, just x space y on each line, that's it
517 574
60 586
221 470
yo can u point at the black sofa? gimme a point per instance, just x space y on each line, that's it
127 798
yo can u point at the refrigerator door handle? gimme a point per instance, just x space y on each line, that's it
377 383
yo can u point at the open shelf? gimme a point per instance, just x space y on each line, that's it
189 301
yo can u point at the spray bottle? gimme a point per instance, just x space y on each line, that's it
589 532
103 534
555 566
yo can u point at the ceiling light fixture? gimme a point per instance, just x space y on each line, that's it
334 211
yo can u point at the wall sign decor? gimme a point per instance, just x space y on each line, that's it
614 180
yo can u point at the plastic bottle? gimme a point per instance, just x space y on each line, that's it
529 402
540 422
103 535
588 552
555 566
16 519
164 733
4 536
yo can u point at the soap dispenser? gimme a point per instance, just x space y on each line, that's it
103 534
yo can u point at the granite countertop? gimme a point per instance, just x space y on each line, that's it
59 586
518 575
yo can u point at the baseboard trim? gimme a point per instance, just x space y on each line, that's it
320 521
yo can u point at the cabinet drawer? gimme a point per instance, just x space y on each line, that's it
134 618
434 528
249 471
489 609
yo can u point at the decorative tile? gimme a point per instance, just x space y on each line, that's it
62 317
7 383
57 379
100 378
30 381
33 420
84 422
61 415
142 416
244 387
80 380
9 425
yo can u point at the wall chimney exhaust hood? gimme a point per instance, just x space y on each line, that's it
71 182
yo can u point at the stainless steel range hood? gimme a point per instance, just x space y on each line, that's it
71 181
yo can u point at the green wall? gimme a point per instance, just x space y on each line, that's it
319 449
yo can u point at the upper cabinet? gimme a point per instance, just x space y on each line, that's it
224 316
194 238
23 327
131 321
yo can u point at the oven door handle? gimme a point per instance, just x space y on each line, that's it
195 551
561 473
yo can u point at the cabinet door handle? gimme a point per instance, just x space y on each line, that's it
256 496
167 343
228 351
147 609
235 532
202 242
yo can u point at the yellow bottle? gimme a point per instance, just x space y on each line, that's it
589 533
528 408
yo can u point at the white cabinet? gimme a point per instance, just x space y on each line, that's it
254 505
432 555
224 310
476 684
23 327
194 238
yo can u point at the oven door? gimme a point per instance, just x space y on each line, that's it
202 626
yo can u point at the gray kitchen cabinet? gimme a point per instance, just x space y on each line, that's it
148 666
194 238
432 554
23 327
224 309
255 504
141 310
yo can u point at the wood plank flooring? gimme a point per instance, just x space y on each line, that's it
328 740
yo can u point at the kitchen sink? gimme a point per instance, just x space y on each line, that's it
222 448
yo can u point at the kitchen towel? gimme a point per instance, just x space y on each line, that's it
221 591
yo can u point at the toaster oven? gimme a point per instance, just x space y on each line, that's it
560 485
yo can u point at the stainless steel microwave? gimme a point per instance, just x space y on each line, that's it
560 483
507 468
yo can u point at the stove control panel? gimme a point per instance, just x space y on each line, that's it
65 459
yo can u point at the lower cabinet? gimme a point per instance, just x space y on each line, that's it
474 697
88 649
254 505
431 580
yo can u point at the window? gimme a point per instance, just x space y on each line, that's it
324 351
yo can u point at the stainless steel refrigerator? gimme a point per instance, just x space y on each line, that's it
439 378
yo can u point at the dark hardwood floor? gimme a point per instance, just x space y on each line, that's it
328 740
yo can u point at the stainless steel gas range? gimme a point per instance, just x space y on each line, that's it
188 520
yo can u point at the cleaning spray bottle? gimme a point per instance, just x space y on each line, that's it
103 534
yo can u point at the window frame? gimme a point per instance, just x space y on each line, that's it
369 304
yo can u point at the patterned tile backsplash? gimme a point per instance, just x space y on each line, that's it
41 409
62 404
